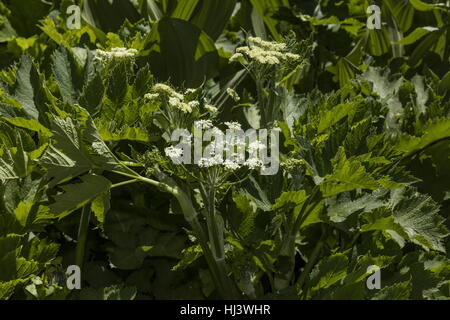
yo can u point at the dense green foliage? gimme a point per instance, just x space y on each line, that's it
364 179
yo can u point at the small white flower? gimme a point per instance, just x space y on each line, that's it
189 91
256 145
292 56
236 57
216 131
210 162
271 60
233 125
115 53
211 108
203 124
267 45
151 96
266 52
185 107
174 152
187 138
254 163
164 88
231 165
174 102
233 94
194 104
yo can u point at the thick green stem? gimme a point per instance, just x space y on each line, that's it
215 232
121 184
82 235
287 248
311 262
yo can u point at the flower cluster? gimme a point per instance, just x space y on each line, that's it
233 94
115 54
228 151
264 52
175 99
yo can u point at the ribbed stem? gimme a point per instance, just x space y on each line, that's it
82 235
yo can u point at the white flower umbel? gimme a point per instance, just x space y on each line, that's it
190 90
164 88
227 152
211 108
175 99
231 165
203 124
173 152
236 57
264 52
233 125
151 96
116 53
233 94
256 146
210 162
254 163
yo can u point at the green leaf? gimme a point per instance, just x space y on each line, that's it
7 288
290 197
109 15
41 251
348 174
101 205
190 255
398 291
213 15
66 160
22 212
116 292
25 15
341 208
266 8
184 9
129 258
328 271
416 35
404 13
117 85
379 42
99 153
410 216
333 116
444 84
249 211
65 72
28 89
181 52
7 171
422 6
418 215
437 130
32 125
7 32
77 195
428 43
151 9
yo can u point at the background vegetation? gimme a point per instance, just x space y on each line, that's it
365 130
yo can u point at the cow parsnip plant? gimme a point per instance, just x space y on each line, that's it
89 173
